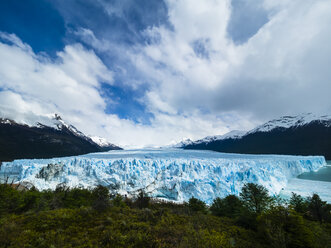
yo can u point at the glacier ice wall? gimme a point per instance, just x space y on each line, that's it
170 174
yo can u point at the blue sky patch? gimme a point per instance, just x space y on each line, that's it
37 23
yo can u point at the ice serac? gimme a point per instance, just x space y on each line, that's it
169 174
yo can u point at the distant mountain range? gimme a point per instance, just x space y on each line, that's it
52 138
305 134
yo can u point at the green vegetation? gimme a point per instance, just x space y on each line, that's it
92 218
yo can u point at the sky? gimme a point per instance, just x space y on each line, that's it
149 73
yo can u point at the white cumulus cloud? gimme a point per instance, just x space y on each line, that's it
199 81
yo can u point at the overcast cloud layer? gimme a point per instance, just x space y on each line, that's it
187 69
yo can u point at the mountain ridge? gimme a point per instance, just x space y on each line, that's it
305 134
55 138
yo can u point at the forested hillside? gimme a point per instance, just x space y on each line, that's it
92 218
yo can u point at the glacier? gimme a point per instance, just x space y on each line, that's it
171 174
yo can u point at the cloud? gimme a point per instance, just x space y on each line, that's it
284 70
247 17
71 86
275 72
66 84
198 73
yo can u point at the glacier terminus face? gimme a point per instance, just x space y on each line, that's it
171 174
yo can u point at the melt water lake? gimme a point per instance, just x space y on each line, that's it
323 174
311 182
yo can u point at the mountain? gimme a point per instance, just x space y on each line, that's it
305 134
52 138
102 142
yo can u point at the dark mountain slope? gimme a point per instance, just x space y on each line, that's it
312 138
23 141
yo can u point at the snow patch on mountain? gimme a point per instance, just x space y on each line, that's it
292 121
55 121
100 141
235 134
33 120
169 174
183 143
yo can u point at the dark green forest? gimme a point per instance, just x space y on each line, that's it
76 217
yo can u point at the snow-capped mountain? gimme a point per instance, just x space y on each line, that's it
56 122
172 174
183 143
44 121
101 141
305 134
292 122
235 134
44 137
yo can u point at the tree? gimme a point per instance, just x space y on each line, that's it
298 203
229 206
101 198
117 201
281 227
317 208
143 200
255 197
197 205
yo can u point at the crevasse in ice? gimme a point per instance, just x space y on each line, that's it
171 174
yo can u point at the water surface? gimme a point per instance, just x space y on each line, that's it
309 183
323 174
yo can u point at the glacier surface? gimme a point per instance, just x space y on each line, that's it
171 174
